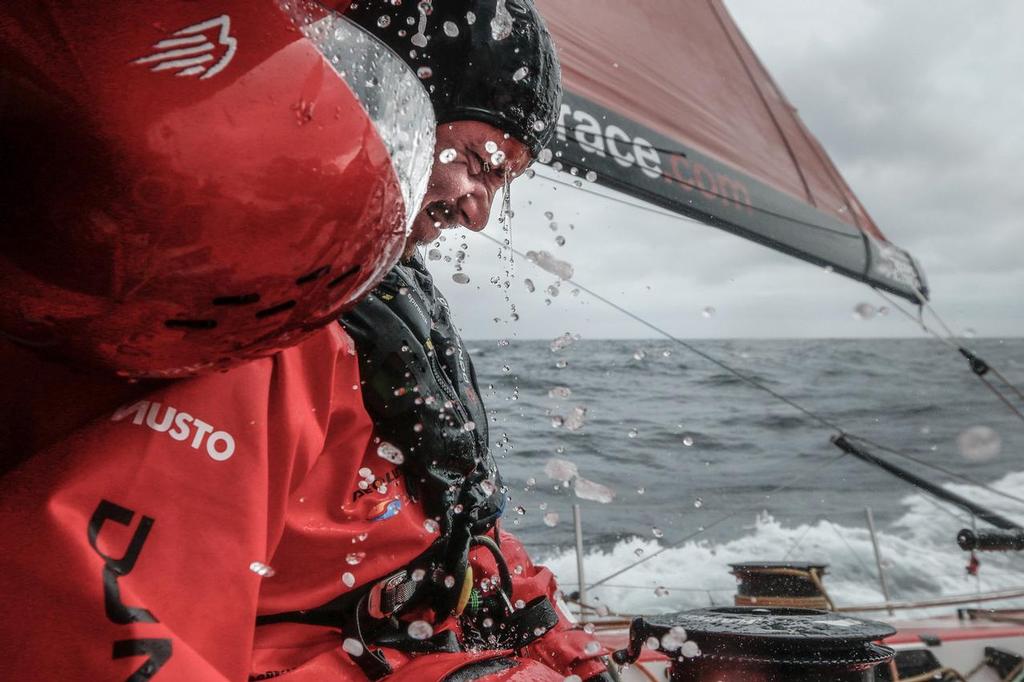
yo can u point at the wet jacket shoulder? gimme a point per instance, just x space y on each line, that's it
420 388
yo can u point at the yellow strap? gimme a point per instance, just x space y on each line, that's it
467 589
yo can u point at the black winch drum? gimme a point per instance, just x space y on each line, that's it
751 644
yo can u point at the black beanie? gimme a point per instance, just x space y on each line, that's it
483 60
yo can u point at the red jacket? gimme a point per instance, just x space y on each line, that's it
145 541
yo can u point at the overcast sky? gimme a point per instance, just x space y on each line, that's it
918 102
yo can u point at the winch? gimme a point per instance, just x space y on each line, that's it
755 644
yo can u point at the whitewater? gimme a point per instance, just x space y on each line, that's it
698 462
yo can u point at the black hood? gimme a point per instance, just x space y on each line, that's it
483 60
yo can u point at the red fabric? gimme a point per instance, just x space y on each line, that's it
211 519
181 492
170 222
684 69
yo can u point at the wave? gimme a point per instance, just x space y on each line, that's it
919 552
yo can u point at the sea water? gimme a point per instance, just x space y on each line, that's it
683 445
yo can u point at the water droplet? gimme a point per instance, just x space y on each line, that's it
365 472
420 629
551 519
539 126
558 268
449 581
560 240
545 155
652 643
384 21
549 215
450 28
591 176
673 639
641 491
560 392
348 579
591 648
660 591
519 604
657 532
633 433
520 73
354 558
639 355
469 426
589 490
434 254
529 285
689 649
708 312
698 503
447 155
419 574
470 18
488 487
688 441
261 569
488 622
501 24
460 278
979 444
864 311
391 453
497 158
562 364
352 646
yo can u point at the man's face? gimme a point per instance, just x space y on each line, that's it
470 163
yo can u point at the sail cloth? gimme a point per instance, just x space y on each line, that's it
666 102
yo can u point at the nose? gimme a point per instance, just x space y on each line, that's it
476 204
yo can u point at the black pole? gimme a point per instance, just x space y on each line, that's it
986 515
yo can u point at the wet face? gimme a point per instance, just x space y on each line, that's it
471 161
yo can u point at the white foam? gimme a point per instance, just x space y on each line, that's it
922 560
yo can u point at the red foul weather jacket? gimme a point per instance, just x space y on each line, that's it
145 545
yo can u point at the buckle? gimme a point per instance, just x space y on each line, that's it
390 594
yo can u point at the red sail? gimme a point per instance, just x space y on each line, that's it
666 101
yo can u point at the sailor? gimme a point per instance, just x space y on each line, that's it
176 218
412 561
399 549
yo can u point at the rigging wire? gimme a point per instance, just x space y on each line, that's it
743 377
800 539
759 385
937 467
856 556
978 367
746 204
643 207
719 520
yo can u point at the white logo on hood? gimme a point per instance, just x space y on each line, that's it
191 50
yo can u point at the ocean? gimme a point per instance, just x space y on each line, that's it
720 472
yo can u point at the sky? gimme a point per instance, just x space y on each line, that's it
919 105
